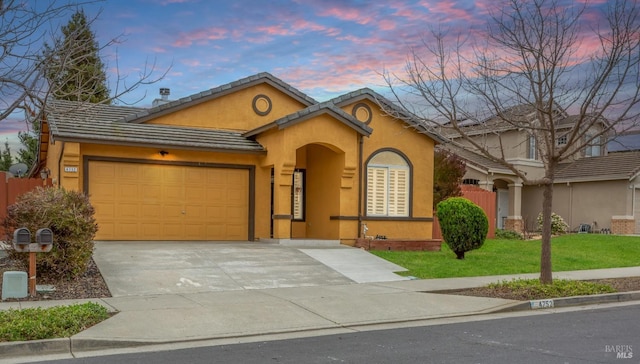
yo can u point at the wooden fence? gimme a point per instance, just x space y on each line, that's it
483 198
10 189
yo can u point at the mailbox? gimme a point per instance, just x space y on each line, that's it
44 238
21 239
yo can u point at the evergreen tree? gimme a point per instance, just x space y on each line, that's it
6 160
76 71
29 140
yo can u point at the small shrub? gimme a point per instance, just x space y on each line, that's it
532 288
558 226
464 225
508 234
49 323
69 215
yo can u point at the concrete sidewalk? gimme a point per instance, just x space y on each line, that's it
191 317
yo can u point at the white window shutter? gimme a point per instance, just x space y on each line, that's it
376 191
399 192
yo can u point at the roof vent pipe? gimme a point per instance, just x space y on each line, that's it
164 96
164 93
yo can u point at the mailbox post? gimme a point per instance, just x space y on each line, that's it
22 243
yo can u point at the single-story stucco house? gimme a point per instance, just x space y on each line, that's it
252 160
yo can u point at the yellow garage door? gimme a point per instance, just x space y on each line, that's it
137 201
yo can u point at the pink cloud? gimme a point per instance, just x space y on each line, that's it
200 36
371 41
305 25
386 24
295 27
348 14
448 10
191 62
275 30
342 80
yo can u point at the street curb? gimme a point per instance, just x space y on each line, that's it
21 349
17 349
578 300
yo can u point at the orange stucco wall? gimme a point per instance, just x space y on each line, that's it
233 111
325 147
418 148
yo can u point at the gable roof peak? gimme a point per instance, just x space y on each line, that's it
225 89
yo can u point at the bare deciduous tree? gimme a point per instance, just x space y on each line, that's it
537 59
25 28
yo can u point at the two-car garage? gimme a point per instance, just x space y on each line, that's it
142 200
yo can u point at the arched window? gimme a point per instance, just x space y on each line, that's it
388 176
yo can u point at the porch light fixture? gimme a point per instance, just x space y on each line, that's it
163 152
44 174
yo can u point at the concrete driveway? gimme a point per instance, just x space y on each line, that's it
151 268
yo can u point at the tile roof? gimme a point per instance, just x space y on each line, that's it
389 107
511 118
219 91
624 165
96 123
477 160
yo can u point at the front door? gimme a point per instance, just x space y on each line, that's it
503 207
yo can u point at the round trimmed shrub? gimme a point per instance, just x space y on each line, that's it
463 224
70 217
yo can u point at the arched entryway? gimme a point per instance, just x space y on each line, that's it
315 192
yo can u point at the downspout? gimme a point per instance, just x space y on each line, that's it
360 190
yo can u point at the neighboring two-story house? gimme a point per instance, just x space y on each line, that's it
592 187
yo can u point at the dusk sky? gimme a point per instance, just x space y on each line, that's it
322 47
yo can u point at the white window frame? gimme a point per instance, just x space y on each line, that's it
533 150
594 149
562 140
388 189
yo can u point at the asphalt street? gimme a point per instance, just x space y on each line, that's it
608 334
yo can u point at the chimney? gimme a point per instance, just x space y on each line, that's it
164 97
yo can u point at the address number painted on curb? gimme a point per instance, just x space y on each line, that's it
541 304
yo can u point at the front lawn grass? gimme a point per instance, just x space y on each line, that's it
499 256
48 323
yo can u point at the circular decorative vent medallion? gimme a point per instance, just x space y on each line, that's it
362 112
262 105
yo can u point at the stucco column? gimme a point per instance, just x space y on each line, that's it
282 215
514 220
